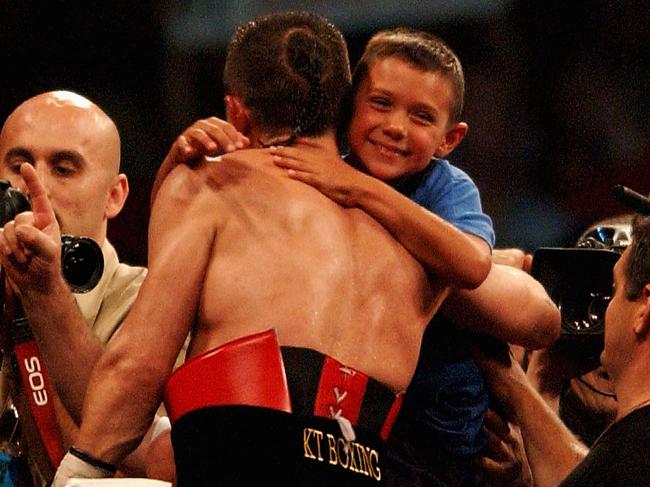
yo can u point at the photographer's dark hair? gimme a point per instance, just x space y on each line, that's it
291 70
638 264
421 49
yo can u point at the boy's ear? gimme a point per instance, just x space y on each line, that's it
237 114
453 137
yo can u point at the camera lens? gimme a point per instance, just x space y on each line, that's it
82 263
82 260
597 308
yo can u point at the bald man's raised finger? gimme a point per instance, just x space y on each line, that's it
41 206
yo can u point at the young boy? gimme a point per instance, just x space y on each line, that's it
408 97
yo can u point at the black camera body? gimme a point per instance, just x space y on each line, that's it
579 281
82 261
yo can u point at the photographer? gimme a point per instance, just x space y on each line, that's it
570 377
618 456
74 148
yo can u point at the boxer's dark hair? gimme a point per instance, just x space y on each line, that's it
422 50
637 270
291 70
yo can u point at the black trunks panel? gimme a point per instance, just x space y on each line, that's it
245 445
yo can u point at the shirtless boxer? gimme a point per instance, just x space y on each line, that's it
236 249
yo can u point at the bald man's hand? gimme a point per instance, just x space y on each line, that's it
30 245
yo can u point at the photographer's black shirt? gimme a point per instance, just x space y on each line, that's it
619 457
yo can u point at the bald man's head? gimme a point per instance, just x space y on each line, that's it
75 148
65 110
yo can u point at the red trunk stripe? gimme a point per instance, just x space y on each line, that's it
340 388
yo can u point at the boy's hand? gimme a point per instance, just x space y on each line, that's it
335 178
206 137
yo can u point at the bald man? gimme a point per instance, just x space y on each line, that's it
74 148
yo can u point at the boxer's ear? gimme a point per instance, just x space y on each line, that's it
237 114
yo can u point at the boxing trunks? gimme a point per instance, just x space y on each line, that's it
249 412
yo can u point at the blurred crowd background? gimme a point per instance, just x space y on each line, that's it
558 93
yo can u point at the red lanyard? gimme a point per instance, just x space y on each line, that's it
36 386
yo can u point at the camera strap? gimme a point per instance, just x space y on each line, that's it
36 385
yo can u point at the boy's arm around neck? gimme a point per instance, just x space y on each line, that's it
450 254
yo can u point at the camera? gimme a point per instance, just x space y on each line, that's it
579 281
82 261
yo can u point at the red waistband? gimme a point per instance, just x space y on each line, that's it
251 371
246 371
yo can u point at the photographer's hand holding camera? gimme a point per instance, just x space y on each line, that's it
30 244
525 408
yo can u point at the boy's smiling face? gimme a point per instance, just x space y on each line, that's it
400 119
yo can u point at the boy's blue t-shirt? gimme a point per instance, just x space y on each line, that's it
447 394
450 193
